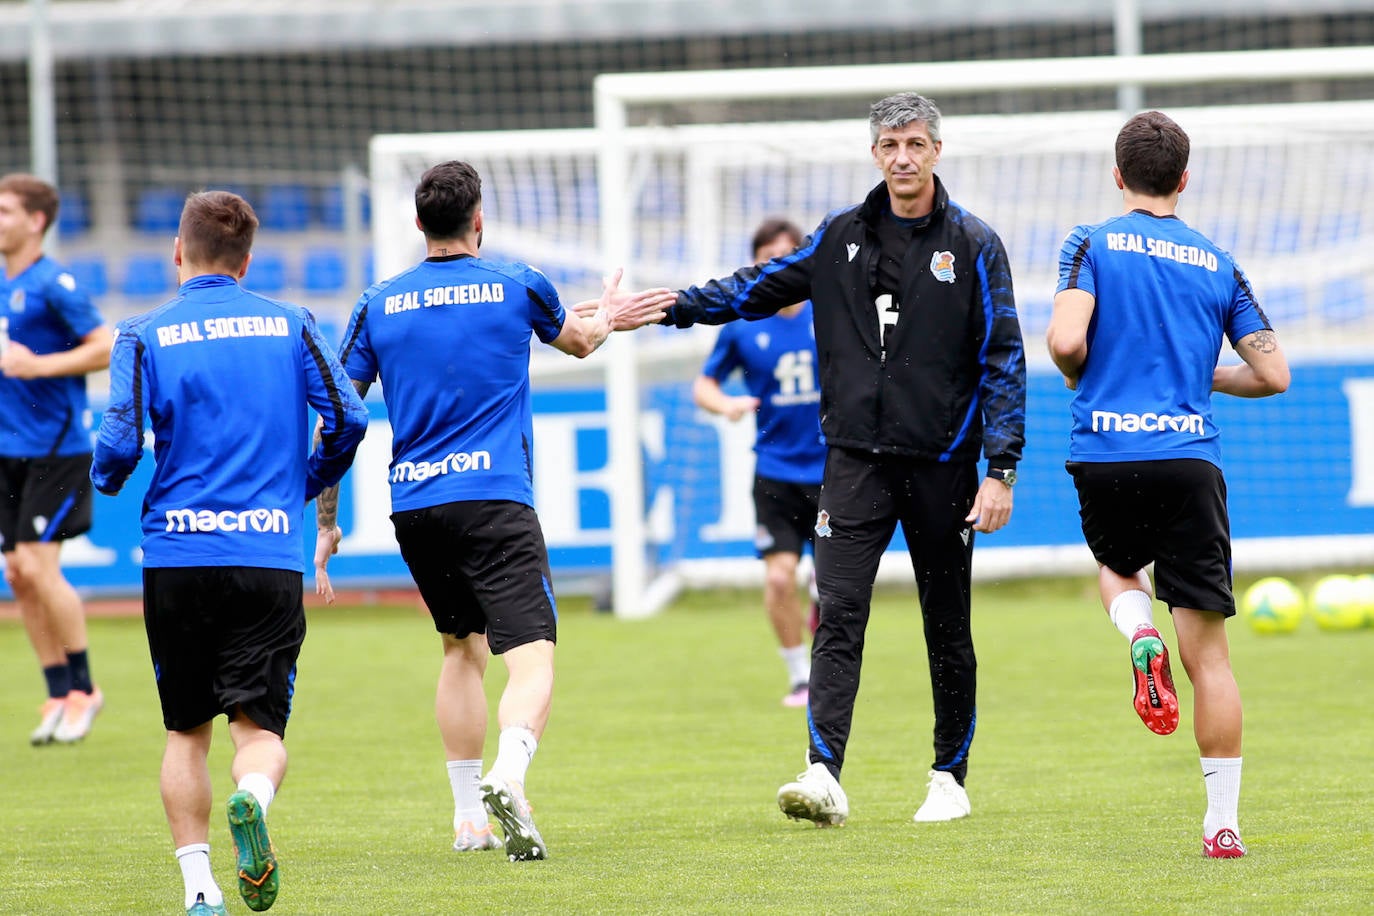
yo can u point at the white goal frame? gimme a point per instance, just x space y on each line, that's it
633 593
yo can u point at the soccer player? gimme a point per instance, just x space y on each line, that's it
51 337
1144 450
450 341
225 376
777 357
921 368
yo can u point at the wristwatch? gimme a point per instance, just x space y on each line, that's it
1006 475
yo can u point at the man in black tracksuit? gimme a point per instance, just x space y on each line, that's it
921 365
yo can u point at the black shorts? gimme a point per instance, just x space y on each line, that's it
785 514
1170 513
481 567
44 499
221 637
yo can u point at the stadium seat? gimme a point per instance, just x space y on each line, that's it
147 275
266 272
1285 306
73 214
158 210
331 207
1286 236
326 270
1338 227
284 207
90 273
1343 300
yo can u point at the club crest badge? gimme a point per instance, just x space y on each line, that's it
942 265
17 301
822 524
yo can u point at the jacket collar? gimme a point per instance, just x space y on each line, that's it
878 203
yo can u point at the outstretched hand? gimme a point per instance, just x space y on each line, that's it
326 545
627 311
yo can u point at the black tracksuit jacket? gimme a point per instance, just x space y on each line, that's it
954 374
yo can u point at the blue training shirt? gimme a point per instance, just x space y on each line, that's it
450 341
226 377
777 356
48 313
1165 296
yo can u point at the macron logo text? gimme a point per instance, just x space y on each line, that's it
453 462
1111 422
261 521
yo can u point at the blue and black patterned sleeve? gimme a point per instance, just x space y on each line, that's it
752 292
119 441
1002 387
342 413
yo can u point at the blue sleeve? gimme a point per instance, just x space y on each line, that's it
355 350
1003 383
342 414
752 292
119 441
546 309
724 357
1244 317
1075 264
72 305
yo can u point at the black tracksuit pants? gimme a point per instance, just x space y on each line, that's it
863 498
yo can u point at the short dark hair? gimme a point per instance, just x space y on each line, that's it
35 195
447 198
217 229
1152 154
769 230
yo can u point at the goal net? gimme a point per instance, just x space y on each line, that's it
1283 185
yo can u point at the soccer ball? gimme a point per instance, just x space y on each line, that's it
1335 604
1364 597
1272 605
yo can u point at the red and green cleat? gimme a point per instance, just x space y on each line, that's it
1155 700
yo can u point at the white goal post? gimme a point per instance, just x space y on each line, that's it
674 204
616 94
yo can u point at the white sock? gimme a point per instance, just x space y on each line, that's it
1131 610
514 750
798 661
464 777
1221 775
260 787
194 860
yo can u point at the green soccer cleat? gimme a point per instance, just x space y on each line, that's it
257 860
505 801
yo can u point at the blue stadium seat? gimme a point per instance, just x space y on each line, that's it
90 274
158 210
1285 236
73 214
326 271
266 272
331 207
1344 300
1338 227
285 207
148 275
1285 306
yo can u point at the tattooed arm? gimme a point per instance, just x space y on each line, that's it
1264 372
327 521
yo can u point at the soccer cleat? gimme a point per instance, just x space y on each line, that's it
201 908
505 801
1155 700
78 714
257 860
797 696
1224 844
50 716
470 838
816 796
946 800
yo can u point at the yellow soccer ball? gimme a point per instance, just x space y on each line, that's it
1335 604
1272 605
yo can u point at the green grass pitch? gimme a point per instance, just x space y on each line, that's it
655 782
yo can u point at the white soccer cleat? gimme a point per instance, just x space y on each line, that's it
816 796
468 837
505 801
946 800
79 711
50 716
